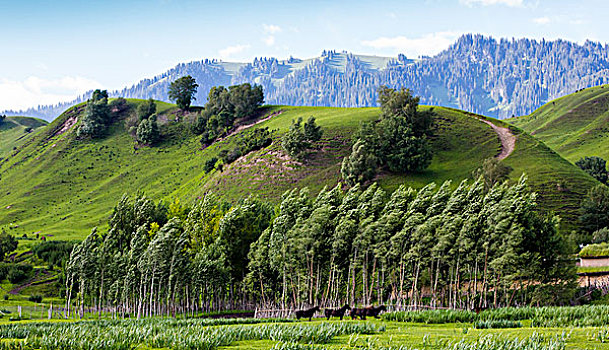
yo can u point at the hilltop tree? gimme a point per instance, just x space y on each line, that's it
97 115
399 139
595 166
146 109
183 91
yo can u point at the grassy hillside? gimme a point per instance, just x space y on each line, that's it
13 132
575 125
60 187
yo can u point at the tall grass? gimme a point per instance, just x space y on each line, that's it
577 316
179 335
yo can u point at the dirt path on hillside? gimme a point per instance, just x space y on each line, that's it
508 140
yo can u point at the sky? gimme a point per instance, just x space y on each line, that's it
52 51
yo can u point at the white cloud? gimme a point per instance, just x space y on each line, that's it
542 20
232 50
510 3
269 40
35 91
429 44
271 28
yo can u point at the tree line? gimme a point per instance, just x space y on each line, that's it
458 247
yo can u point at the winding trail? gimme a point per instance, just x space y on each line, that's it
508 140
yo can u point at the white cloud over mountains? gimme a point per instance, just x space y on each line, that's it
429 44
35 91
230 51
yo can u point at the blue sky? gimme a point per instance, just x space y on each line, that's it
54 50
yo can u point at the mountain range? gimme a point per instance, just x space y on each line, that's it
499 78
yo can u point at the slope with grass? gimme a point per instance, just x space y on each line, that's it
14 131
575 126
60 187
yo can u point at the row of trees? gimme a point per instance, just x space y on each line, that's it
460 247
398 141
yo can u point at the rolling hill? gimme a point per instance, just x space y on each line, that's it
59 187
575 126
14 131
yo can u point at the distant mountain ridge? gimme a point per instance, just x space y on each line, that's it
480 74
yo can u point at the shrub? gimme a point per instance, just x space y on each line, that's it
146 109
35 298
210 164
18 273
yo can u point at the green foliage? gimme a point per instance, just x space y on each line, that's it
210 164
594 211
294 142
594 250
595 166
297 140
18 273
224 107
53 252
399 139
360 166
494 324
118 106
148 131
183 91
492 172
2 117
35 298
601 236
97 116
8 243
146 109
312 131
172 334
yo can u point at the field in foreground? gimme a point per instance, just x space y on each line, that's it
288 334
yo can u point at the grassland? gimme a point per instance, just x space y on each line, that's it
575 126
15 131
157 334
60 187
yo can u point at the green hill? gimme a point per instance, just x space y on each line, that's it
14 131
575 126
60 187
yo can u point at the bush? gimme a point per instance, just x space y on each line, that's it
146 109
148 131
118 106
35 298
19 273
210 164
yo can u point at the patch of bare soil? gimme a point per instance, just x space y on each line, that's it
508 140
